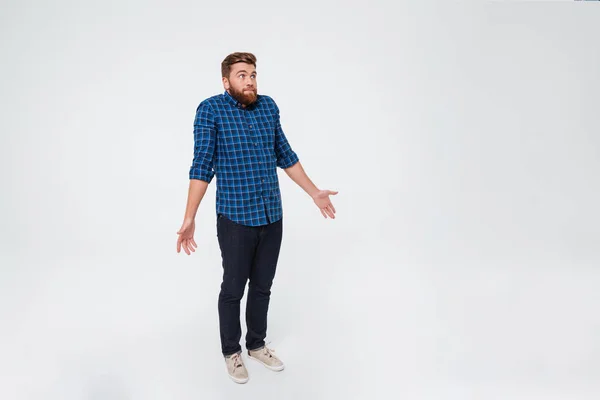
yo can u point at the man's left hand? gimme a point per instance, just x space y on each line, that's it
322 201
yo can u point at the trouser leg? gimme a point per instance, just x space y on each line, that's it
261 277
238 247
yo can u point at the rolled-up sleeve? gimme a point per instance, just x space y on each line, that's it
286 157
204 143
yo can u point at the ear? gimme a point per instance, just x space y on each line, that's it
225 83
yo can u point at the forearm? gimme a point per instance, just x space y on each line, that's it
297 174
196 192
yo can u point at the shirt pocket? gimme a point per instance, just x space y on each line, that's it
266 133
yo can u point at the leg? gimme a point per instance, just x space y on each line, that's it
261 277
238 246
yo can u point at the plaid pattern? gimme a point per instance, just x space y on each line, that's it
242 147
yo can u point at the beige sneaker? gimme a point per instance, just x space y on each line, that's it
266 357
236 368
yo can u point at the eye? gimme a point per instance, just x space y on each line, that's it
242 75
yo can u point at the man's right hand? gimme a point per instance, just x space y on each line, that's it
186 237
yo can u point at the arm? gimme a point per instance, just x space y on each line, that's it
196 192
201 174
320 197
288 160
297 174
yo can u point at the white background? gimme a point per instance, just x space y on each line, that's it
463 139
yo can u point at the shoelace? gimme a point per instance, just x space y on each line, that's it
268 352
237 361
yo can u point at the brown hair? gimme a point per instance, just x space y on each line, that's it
233 58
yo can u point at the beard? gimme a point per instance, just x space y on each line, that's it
244 97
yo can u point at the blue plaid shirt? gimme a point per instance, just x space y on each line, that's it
242 147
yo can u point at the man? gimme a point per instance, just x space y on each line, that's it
238 138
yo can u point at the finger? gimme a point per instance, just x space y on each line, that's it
332 192
179 244
185 248
330 213
323 212
190 246
332 208
194 242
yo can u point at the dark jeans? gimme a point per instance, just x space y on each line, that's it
249 253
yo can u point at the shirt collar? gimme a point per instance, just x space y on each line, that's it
237 104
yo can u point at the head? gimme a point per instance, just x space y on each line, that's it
238 72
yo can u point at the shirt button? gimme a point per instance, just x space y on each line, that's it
250 126
256 144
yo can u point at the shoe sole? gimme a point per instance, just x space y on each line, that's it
276 369
240 381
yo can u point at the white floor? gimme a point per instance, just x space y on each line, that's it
349 325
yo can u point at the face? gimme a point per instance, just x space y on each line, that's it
241 84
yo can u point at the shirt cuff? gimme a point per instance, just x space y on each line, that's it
206 176
288 161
